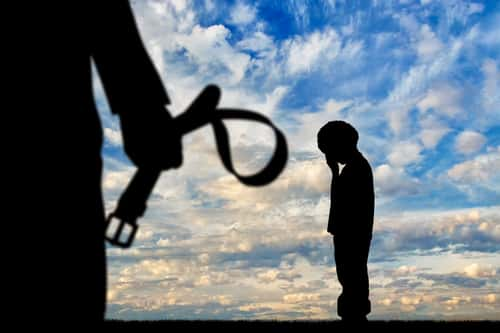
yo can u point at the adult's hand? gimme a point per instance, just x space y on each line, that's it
150 138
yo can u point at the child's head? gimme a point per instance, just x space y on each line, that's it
338 140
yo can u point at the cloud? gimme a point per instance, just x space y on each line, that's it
432 131
476 270
405 300
242 14
454 279
302 179
481 168
490 299
209 47
113 137
301 298
443 99
276 275
468 142
490 91
405 270
423 233
258 42
393 181
429 45
404 153
304 53
211 248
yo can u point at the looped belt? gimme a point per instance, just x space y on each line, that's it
132 203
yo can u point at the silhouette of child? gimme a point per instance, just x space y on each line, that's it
351 216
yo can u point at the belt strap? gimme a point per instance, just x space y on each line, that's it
132 203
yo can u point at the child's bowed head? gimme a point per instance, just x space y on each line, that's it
337 140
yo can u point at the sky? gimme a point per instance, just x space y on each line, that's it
418 79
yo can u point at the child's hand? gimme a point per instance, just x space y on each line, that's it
334 166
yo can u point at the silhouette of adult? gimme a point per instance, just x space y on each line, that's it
61 227
351 216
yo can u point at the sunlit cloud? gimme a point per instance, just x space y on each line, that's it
418 79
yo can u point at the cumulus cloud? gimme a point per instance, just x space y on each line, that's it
443 99
432 131
490 299
469 142
300 298
394 181
404 153
405 270
482 168
275 275
301 179
452 231
211 248
209 47
476 270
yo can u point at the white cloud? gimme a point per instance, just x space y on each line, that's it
419 77
409 22
491 86
304 53
117 180
405 270
231 225
490 299
404 153
243 14
407 300
444 99
432 131
429 45
300 179
418 85
469 142
480 169
456 300
179 5
273 275
209 47
112 136
301 298
475 270
399 119
257 42
385 302
392 181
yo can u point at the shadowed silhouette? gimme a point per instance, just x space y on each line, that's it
62 227
351 216
65 214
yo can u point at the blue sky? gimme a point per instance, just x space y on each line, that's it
418 79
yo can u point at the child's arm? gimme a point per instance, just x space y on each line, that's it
334 166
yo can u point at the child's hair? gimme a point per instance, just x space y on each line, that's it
337 132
